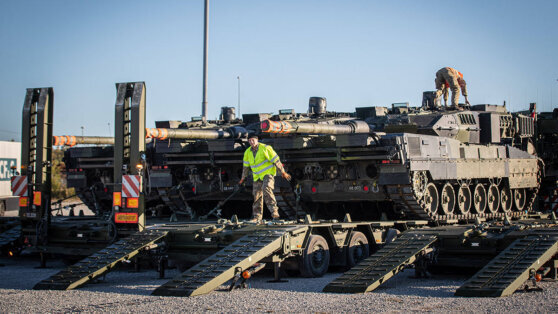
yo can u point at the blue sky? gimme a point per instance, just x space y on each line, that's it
354 53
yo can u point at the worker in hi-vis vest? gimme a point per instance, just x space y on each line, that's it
264 162
449 78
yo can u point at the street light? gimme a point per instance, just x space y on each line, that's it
238 78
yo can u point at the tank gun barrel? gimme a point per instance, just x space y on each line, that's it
284 127
71 140
197 134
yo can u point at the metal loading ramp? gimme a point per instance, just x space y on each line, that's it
384 264
101 262
508 271
8 237
217 269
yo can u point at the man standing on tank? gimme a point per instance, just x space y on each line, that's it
450 78
264 162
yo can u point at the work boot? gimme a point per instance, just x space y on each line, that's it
255 220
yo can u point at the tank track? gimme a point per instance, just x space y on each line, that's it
405 198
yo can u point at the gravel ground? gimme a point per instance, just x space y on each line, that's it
125 291
65 208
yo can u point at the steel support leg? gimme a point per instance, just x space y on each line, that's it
161 267
277 273
43 260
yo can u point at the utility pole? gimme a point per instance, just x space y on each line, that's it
238 78
205 43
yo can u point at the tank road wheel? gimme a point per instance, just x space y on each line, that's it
420 180
358 249
493 198
447 199
314 261
431 200
506 199
519 198
479 198
464 200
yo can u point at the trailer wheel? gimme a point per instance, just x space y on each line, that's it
314 261
358 249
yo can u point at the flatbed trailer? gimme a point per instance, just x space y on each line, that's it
219 252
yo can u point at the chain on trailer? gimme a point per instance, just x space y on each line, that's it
129 157
33 186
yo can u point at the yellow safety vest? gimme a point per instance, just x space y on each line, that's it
263 164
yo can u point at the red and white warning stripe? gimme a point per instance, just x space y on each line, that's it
19 185
130 186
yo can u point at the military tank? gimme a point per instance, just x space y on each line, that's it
429 162
193 167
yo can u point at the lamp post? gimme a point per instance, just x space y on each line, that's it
238 78
205 43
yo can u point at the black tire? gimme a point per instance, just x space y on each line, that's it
358 248
314 261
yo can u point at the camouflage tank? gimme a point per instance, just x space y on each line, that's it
193 168
427 163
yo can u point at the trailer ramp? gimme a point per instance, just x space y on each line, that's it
384 264
509 270
9 236
217 269
101 262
